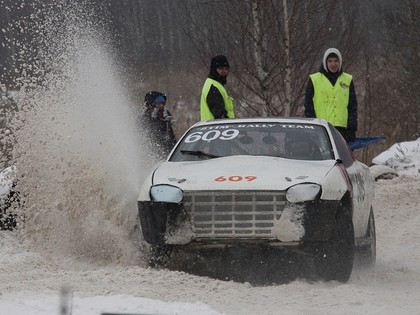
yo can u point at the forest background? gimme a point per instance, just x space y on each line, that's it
272 47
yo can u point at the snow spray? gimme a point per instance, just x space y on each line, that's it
79 150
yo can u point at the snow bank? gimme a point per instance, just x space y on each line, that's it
403 157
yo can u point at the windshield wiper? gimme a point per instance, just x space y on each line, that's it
199 153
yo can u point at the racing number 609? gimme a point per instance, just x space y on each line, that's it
211 135
235 178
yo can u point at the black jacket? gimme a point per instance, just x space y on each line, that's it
214 98
158 125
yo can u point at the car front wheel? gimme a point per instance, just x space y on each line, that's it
334 259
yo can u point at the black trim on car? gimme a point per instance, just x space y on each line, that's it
155 217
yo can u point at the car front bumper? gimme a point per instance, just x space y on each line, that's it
217 220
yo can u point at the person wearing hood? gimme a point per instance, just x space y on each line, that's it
330 95
215 102
157 121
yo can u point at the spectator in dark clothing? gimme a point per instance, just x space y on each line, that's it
330 95
157 120
215 103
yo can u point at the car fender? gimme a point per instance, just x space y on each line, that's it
334 185
144 194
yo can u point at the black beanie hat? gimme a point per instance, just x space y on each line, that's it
219 61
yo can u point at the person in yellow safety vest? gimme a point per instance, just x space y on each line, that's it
215 103
330 95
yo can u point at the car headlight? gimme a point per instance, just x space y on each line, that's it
166 193
303 192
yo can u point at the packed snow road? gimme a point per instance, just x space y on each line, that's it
30 279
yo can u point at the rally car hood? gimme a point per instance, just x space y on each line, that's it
241 173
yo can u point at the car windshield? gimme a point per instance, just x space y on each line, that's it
286 140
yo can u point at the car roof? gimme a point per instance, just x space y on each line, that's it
302 120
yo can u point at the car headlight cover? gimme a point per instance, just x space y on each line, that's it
302 192
166 193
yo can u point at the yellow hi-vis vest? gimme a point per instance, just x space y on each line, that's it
205 113
331 102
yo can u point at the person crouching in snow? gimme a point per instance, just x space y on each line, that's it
159 123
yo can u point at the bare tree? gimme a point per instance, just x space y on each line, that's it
403 24
273 46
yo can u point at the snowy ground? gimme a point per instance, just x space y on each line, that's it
33 282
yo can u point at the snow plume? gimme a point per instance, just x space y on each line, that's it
79 151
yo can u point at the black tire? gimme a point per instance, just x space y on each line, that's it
334 259
366 254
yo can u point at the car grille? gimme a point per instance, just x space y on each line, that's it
234 214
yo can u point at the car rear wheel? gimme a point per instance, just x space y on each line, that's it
334 259
366 254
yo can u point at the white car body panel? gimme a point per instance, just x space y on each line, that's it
363 193
144 194
238 172
333 185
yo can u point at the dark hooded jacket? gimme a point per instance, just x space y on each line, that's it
214 98
348 133
158 125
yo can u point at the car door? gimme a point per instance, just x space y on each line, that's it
361 182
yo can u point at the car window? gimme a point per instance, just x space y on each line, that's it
292 141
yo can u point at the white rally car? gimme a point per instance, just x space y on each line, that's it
278 182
